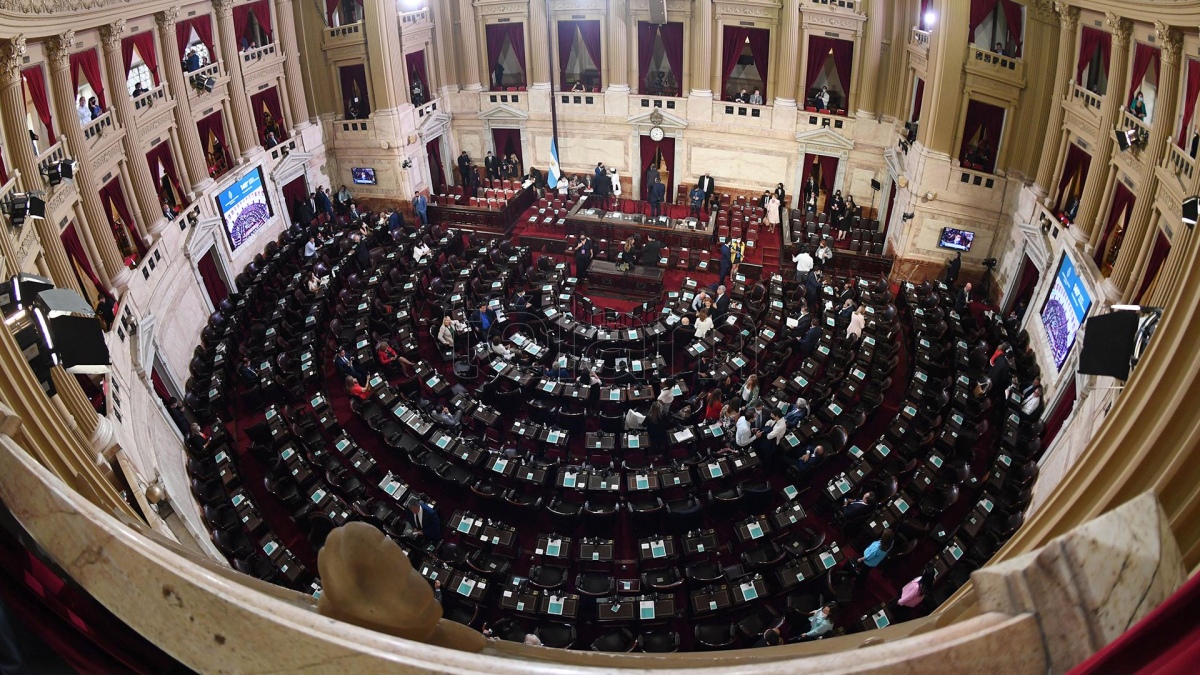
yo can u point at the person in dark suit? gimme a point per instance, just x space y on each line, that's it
346 366
721 303
652 177
804 321
599 175
305 214
962 301
324 204
425 520
652 251
706 184
856 508
808 344
395 221
812 289
810 190
492 165
658 192
952 269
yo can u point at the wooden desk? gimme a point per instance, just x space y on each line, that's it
639 282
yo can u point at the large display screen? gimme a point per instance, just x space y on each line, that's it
1064 310
244 207
959 240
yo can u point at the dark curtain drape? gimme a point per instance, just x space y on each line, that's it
1143 56
1122 204
1190 93
268 101
213 125
731 50
1078 162
645 48
87 62
35 85
3 169
75 251
161 154
805 172
1162 247
1055 421
145 46
672 37
926 5
989 119
1013 16
1025 283
566 39
160 387
294 193
819 49
415 62
203 26
497 34
649 150
918 99
436 174
980 9
213 283
113 197
331 7
590 32
1089 39
508 142
829 167
262 13
351 76
760 49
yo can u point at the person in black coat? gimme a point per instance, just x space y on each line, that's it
492 165
812 290
706 184
962 301
952 269
464 167
425 520
304 214
808 344
324 204
658 192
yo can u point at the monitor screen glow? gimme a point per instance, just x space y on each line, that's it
363 175
959 240
244 208
1064 311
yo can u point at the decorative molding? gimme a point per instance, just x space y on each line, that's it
852 22
578 6
755 11
825 141
1044 11
167 18
491 10
110 35
658 118
223 8
503 113
12 57
673 6
1068 17
59 50
1121 30
1170 41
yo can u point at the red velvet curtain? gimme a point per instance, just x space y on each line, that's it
436 174
989 119
1077 161
214 124
805 172
980 9
645 46
514 33
160 387
821 48
1088 41
416 68
1122 204
203 26
1143 56
1162 247
330 7
113 197
294 193
260 10
1015 19
566 39
144 42
1190 93
161 155
268 101
829 167
213 283
1055 421
1025 283
352 77
649 150
731 50
590 32
35 85
760 49
926 5
672 37
508 142
918 99
3 169
75 251
88 63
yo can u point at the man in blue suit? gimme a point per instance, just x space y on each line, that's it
324 205
425 520
421 206
658 192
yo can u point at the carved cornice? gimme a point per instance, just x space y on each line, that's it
1042 10
223 8
578 6
1068 16
1170 41
1120 28
839 21
491 10
167 18
674 7
12 57
59 51
111 34
755 11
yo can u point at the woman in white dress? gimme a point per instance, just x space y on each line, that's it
772 212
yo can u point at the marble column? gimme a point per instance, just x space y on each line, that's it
942 110
96 429
239 99
1139 238
702 48
143 202
538 56
286 20
1086 225
12 105
1064 73
871 41
1172 268
789 39
618 46
192 166
381 25
469 44
442 41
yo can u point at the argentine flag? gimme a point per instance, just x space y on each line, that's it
555 171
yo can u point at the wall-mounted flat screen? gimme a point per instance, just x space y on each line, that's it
1064 311
363 175
959 240
244 208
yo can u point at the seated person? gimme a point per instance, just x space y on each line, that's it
857 508
497 347
812 456
356 390
819 623
443 416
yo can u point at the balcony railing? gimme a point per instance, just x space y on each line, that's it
840 123
1131 121
53 155
981 179
353 126
516 99
9 188
349 30
989 58
96 128
427 109
1180 162
258 53
920 39
835 4
731 109
148 99
642 102
1088 99
212 70
413 18
282 149
581 98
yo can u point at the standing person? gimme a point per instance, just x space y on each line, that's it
837 209
810 194
324 203
726 263
601 187
781 195
81 110
464 166
705 183
615 181
772 209
421 206
804 264
875 554
652 177
824 253
953 268
492 166
658 192
737 251
697 200
599 174
583 256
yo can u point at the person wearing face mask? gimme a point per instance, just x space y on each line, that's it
1138 106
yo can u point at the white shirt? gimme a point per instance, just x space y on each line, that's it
744 436
804 262
823 97
857 321
502 351
616 184
634 419
824 252
420 251
778 430
1031 403
666 397
85 115
703 326
310 249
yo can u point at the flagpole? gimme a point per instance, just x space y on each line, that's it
555 170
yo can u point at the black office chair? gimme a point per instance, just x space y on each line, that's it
658 642
615 640
666 579
547 577
595 584
757 622
715 636
557 635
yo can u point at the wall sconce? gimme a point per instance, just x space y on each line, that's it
407 163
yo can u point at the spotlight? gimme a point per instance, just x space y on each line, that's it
52 174
16 207
203 83
929 19
1126 138
907 217
1191 211
911 129
37 207
67 169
